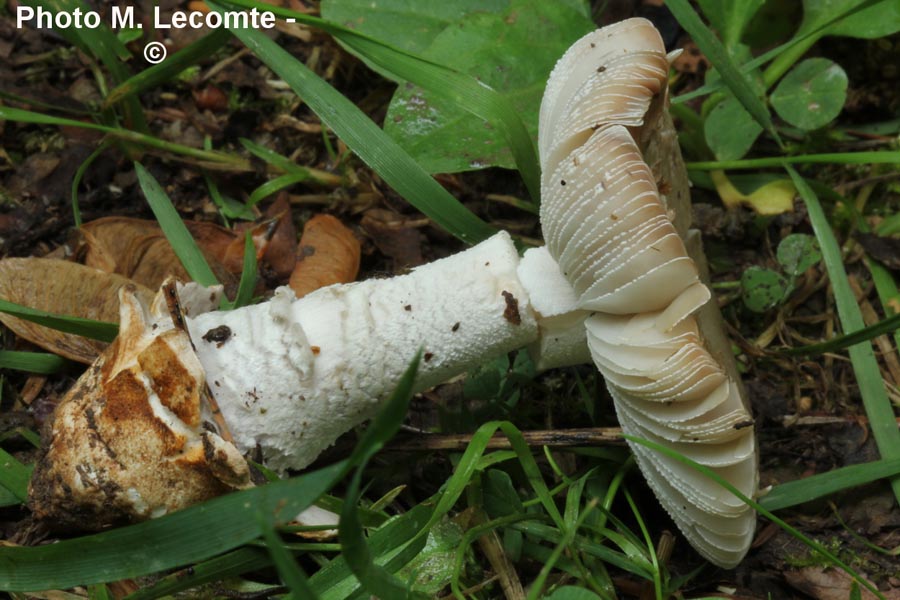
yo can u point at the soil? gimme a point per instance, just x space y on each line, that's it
808 411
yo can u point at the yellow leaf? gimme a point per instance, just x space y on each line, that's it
773 198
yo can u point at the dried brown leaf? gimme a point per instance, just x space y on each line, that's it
109 239
394 237
328 253
65 288
35 169
885 250
138 249
826 584
274 238
279 253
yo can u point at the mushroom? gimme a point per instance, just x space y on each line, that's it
133 438
611 234
614 284
291 375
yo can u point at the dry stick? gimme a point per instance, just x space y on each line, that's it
882 341
500 563
224 63
846 187
471 590
664 548
556 438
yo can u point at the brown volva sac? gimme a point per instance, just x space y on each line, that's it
128 442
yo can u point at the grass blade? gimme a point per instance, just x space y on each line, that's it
212 158
604 553
533 472
33 362
79 175
335 581
273 158
288 570
818 486
228 565
878 407
708 472
845 341
175 230
463 90
165 543
795 46
228 207
14 476
283 163
102 43
274 185
248 275
838 158
368 141
96 330
169 68
564 544
7 498
356 551
885 285
731 74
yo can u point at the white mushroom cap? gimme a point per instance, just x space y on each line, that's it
609 76
612 236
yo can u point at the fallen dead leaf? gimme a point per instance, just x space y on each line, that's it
885 250
829 584
275 239
211 98
36 168
394 237
138 249
65 288
773 198
328 253
691 60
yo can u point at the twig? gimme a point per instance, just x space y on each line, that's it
557 438
493 551
883 342
664 548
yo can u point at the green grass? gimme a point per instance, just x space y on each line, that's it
736 81
461 89
368 141
879 409
175 230
561 520
97 330
813 545
838 158
14 476
32 362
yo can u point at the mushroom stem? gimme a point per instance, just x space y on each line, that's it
291 375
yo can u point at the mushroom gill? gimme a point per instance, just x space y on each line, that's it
615 242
